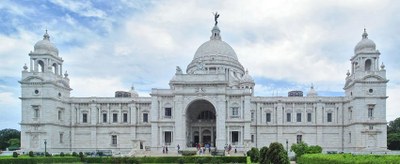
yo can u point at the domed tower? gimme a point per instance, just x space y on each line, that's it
44 94
217 57
365 88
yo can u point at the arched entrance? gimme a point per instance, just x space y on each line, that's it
200 123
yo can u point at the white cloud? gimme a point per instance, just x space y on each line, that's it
84 8
393 103
95 86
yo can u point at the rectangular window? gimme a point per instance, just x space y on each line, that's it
252 116
104 117
268 117
299 138
235 137
329 117
168 112
235 111
308 117
125 117
115 117
61 137
114 139
84 118
298 117
59 115
350 137
351 114
370 111
168 137
288 117
36 112
145 117
371 127
252 138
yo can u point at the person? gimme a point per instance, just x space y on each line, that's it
229 148
235 150
163 149
179 147
166 149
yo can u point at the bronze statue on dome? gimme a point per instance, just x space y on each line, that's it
216 16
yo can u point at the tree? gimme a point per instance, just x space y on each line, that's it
393 135
6 135
263 155
277 154
254 154
394 126
299 149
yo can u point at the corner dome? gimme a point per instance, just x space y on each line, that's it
365 45
247 78
215 46
45 46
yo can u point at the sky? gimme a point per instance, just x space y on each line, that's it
112 45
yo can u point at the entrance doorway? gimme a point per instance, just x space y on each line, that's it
200 123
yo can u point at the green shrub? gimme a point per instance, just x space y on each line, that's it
299 149
314 149
189 152
254 154
263 155
15 154
74 154
277 154
62 154
31 154
81 156
347 158
48 154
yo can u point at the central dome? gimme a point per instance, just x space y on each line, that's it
215 46
214 56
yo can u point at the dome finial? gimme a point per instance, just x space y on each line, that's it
216 16
46 36
215 31
365 34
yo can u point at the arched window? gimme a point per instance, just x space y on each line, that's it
54 69
40 66
368 65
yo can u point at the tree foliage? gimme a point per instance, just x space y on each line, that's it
299 149
263 155
393 135
277 154
254 154
302 148
6 135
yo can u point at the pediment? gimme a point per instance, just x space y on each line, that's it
373 78
33 79
63 83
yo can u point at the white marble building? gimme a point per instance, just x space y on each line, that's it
213 102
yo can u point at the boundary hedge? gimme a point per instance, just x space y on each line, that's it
152 159
347 159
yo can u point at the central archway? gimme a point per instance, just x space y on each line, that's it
200 123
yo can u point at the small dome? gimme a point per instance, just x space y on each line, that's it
247 78
45 46
215 46
365 45
312 92
133 92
